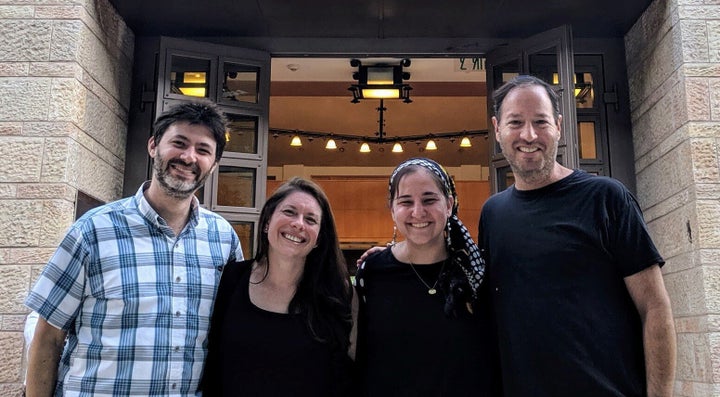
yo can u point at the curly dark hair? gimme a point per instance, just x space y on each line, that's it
324 293
196 113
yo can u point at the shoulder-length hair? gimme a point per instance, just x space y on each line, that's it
323 295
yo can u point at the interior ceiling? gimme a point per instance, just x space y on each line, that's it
364 28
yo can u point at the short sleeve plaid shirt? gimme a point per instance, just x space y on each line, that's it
134 298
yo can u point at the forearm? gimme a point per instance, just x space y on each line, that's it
44 357
660 351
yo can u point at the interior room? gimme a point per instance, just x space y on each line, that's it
311 101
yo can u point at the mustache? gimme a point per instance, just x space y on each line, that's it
193 166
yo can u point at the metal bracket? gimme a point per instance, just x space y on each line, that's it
146 97
611 97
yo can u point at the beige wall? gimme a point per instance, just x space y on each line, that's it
673 57
64 92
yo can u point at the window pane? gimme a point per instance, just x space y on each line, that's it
240 83
505 177
241 135
584 91
236 186
245 231
189 76
587 140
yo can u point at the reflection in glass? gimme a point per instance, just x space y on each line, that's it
236 186
200 194
189 76
245 231
241 134
584 92
240 83
587 140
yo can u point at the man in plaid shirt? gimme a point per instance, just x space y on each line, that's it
126 299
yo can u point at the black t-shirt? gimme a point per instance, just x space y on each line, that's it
556 259
254 352
407 346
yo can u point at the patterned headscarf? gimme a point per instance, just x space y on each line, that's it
464 253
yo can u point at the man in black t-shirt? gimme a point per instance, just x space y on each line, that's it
579 299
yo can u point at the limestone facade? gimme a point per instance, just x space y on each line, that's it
673 61
65 74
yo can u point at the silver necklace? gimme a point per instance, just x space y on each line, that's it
431 290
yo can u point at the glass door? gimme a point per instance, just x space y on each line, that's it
549 57
238 81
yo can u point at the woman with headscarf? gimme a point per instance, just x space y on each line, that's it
423 323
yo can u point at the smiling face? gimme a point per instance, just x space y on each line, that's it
294 226
183 158
420 209
528 133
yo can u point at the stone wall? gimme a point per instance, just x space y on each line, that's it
64 95
673 58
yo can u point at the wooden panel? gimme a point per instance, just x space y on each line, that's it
362 215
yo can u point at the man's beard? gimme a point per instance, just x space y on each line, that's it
173 186
533 175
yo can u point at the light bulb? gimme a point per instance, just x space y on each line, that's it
397 148
296 142
465 142
364 148
331 144
431 145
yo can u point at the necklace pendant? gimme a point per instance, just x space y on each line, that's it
432 291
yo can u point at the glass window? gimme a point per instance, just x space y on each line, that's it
241 134
189 76
240 83
587 140
245 231
236 186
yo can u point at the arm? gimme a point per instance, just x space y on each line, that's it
367 253
647 290
353 330
45 350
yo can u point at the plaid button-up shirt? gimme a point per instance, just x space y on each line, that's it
134 298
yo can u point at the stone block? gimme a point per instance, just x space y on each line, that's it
687 291
46 191
25 40
11 353
680 262
8 190
33 255
690 69
14 69
65 40
712 286
694 361
714 84
21 223
58 215
708 224
55 69
701 12
14 288
10 128
58 11
20 97
661 119
55 161
20 159
13 322
713 34
706 166
16 11
51 128
98 178
67 101
704 129
695 41
11 389
697 102
673 168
